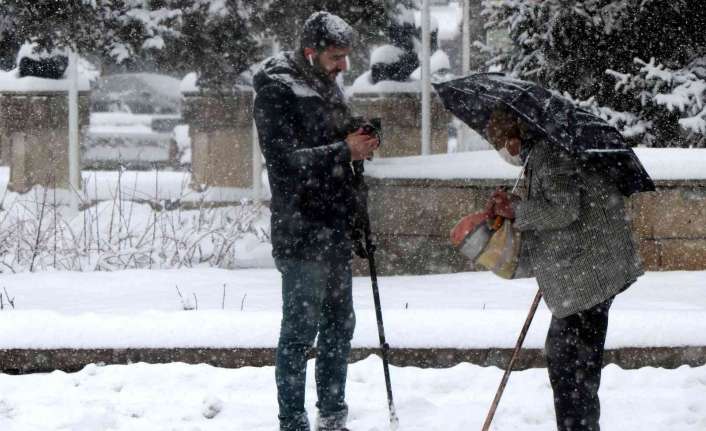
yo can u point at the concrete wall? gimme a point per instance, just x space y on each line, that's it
23 361
401 118
34 137
412 219
671 225
220 127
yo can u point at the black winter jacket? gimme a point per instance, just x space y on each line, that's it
302 121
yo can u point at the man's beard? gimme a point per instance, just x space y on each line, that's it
321 70
331 75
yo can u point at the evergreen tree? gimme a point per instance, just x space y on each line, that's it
216 39
638 63
213 38
116 29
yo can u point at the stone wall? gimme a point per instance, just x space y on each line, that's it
671 225
34 137
401 118
411 219
220 127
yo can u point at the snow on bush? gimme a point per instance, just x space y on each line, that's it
36 235
385 54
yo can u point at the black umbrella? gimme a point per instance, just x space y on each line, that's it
588 137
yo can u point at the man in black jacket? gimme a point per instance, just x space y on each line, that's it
309 140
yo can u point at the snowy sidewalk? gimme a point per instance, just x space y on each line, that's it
180 397
469 310
142 309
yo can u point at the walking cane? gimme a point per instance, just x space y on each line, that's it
384 347
369 253
511 364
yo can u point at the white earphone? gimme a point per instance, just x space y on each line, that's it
311 59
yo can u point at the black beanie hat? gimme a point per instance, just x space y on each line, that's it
323 29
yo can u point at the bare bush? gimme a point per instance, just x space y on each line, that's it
123 233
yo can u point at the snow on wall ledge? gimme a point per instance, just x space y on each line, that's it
9 81
661 164
188 83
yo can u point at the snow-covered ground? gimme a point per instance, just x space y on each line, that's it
146 185
179 397
142 308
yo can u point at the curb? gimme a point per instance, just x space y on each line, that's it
23 361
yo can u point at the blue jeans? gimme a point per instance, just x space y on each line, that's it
316 297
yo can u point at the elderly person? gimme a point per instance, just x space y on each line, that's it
577 241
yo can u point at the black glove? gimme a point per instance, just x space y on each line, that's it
359 246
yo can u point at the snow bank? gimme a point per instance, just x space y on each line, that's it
9 81
143 397
439 61
142 308
660 163
364 84
188 83
385 54
139 185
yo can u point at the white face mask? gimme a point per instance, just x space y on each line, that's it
513 160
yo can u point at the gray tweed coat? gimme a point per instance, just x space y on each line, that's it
576 236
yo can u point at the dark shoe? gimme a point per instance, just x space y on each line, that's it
296 423
332 423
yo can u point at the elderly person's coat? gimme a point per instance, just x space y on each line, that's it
576 236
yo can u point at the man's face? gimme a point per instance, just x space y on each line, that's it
330 61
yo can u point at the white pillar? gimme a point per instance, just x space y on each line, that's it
461 130
74 161
426 79
466 38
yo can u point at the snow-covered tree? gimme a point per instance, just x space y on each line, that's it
283 19
212 38
116 29
640 63
370 18
217 39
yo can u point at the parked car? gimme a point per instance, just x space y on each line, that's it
133 116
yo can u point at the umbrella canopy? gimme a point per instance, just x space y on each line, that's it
586 136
